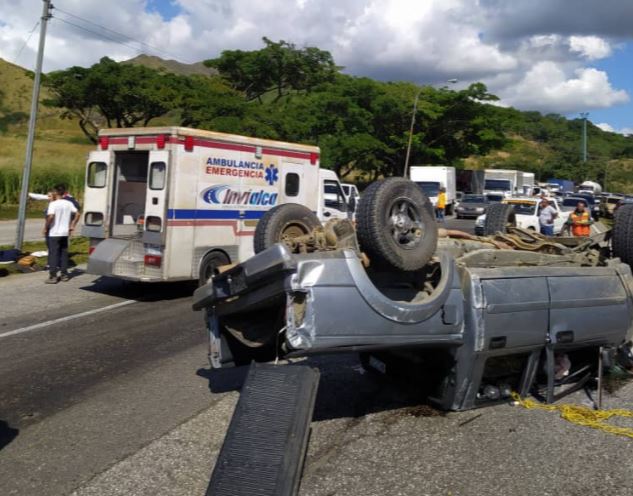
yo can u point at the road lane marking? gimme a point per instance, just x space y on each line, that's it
41 325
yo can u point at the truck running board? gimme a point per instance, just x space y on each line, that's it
266 442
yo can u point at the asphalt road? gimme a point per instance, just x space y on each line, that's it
32 230
120 402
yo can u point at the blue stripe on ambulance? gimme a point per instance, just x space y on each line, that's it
190 214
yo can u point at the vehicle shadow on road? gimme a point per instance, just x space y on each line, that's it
133 290
346 390
7 434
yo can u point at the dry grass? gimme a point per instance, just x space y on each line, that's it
53 162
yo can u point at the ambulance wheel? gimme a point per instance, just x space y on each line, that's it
622 243
395 224
288 219
210 264
498 217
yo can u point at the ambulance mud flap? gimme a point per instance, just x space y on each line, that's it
266 442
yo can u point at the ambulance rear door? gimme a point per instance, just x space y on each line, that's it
156 198
96 212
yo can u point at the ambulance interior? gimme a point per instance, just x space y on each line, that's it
130 191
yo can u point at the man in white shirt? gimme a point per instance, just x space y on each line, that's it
546 218
61 218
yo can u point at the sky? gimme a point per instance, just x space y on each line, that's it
562 56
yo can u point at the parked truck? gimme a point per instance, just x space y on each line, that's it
173 203
560 185
470 181
590 187
431 178
504 181
469 320
528 183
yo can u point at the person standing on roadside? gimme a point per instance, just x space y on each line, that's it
52 196
580 221
441 205
66 195
61 218
546 218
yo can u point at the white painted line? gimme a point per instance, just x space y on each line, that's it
41 325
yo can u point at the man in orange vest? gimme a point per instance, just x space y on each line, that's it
580 221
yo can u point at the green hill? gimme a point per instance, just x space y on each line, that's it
548 145
172 66
60 147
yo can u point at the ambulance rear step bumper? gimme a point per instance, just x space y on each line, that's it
122 258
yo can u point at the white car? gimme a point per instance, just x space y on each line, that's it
527 210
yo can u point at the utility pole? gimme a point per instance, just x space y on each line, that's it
47 9
415 109
584 116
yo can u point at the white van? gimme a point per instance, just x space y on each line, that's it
172 203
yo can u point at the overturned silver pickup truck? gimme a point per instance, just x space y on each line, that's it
471 319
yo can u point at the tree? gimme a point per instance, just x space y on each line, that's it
279 67
112 94
70 92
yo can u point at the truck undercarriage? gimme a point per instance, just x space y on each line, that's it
480 318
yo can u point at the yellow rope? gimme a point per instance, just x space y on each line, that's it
582 415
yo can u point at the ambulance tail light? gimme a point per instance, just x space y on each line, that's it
153 260
104 142
93 245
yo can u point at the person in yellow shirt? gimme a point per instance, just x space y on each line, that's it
441 205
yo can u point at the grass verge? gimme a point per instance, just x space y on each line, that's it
34 210
77 254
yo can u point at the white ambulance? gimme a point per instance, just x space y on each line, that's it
173 203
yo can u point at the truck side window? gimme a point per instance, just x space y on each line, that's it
97 174
292 184
157 175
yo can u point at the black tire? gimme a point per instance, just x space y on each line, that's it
498 216
209 266
288 219
622 238
395 224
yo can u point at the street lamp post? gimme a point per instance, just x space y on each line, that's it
584 116
415 109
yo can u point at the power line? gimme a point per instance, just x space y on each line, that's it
15 60
137 50
142 43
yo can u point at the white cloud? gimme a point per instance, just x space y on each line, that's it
547 87
590 47
626 131
605 127
532 53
